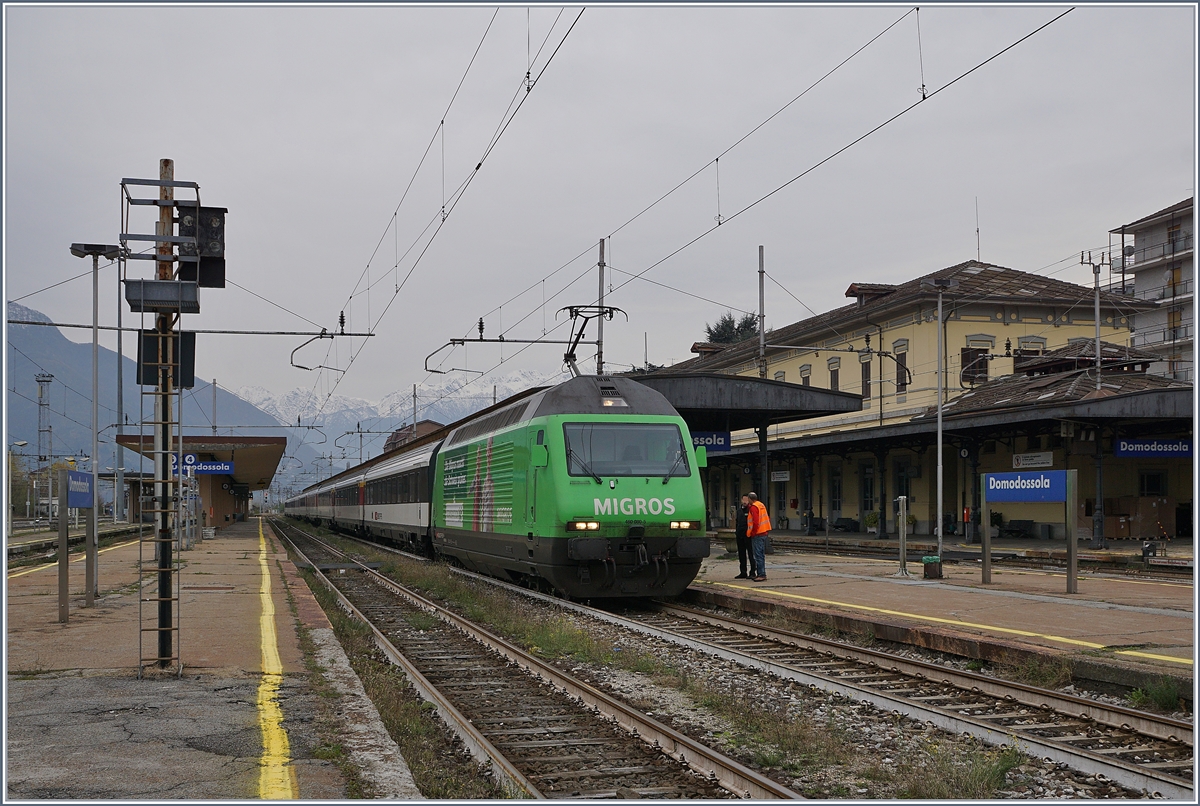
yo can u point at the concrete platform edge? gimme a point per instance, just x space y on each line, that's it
942 640
364 735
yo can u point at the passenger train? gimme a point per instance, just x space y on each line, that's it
590 488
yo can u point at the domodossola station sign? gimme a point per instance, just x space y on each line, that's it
1158 448
1047 485
1033 486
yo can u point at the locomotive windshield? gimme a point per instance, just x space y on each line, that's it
625 449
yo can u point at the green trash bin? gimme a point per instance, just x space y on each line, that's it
933 567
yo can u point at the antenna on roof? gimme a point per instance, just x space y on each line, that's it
977 257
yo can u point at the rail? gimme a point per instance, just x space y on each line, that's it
710 764
911 687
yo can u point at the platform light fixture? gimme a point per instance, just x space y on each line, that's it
109 252
941 285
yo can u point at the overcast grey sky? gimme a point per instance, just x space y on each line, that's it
308 123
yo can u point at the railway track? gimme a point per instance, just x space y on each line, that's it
542 733
1138 750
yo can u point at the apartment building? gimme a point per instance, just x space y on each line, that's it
1154 259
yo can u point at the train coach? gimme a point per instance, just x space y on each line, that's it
590 488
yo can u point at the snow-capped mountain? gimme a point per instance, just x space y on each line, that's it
443 401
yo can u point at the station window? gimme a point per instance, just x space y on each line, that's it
835 489
865 371
1031 345
900 351
835 365
974 365
806 375
1152 483
779 376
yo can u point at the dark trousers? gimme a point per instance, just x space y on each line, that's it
745 553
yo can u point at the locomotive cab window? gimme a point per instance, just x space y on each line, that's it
625 449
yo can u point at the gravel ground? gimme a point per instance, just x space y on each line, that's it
884 753
881 742
963 664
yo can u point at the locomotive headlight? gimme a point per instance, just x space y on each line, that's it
583 526
684 524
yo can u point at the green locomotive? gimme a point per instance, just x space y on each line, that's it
591 488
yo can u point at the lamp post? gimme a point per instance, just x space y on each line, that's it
941 284
118 491
18 444
111 252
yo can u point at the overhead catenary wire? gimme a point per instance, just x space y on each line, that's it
640 275
716 160
843 149
455 198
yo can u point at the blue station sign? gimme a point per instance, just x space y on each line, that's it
79 490
1032 486
199 468
714 441
1157 448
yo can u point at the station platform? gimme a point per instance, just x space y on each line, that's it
81 725
28 541
1119 628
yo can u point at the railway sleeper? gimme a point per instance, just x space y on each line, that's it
599 771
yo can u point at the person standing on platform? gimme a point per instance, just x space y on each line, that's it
743 541
758 529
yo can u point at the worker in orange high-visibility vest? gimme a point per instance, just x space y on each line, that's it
758 529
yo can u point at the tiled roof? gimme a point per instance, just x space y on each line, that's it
1020 391
1081 352
978 282
1178 207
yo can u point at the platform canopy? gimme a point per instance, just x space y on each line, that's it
715 402
255 459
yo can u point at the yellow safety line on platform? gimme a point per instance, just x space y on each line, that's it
996 572
1136 654
276 777
78 558
940 620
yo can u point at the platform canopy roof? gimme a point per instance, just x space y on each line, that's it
255 459
717 402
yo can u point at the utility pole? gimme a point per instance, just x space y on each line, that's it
119 483
940 284
162 415
44 457
1098 541
762 318
765 494
600 320
214 422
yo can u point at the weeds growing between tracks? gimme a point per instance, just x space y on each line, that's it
440 767
771 737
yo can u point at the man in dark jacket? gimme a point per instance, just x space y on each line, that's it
743 541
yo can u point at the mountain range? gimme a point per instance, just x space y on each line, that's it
341 417
314 424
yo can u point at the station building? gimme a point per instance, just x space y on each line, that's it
224 496
1006 334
